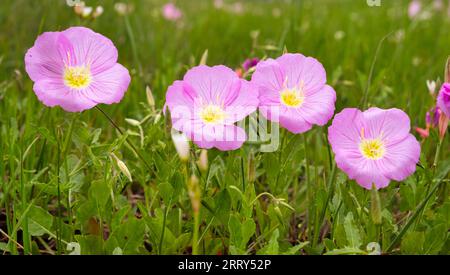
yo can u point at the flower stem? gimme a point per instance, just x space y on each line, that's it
127 140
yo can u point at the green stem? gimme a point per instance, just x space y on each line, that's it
127 140
164 227
309 192
58 181
195 234
324 209
26 236
372 68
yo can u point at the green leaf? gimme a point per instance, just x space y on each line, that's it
351 231
412 243
39 221
272 248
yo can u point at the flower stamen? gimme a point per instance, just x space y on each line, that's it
77 77
212 114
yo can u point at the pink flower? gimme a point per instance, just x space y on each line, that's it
443 99
415 7
250 63
171 12
432 117
375 146
76 69
207 103
293 92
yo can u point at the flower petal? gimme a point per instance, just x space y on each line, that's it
53 93
319 106
43 60
401 159
299 68
269 77
293 121
92 49
391 125
109 86
245 103
213 85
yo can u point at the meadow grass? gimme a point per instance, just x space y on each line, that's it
62 191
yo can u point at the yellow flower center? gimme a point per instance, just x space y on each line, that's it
212 114
371 148
77 77
292 97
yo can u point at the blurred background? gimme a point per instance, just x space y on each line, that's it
158 45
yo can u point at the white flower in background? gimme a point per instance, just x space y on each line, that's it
218 4
276 12
181 143
339 35
98 11
438 5
431 84
123 8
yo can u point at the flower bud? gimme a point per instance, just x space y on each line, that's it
97 12
443 125
123 168
431 84
203 160
181 145
194 193
150 98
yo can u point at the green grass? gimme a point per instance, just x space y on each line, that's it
293 201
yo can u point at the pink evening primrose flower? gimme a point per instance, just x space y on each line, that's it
293 92
76 69
443 99
207 103
171 12
375 146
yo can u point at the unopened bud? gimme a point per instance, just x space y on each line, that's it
98 11
443 125
431 84
181 145
150 98
123 168
133 122
204 57
194 193
203 160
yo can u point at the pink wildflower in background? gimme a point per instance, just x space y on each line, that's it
207 103
414 8
250 63
76 69
443 99
375 146
171 12
293 92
